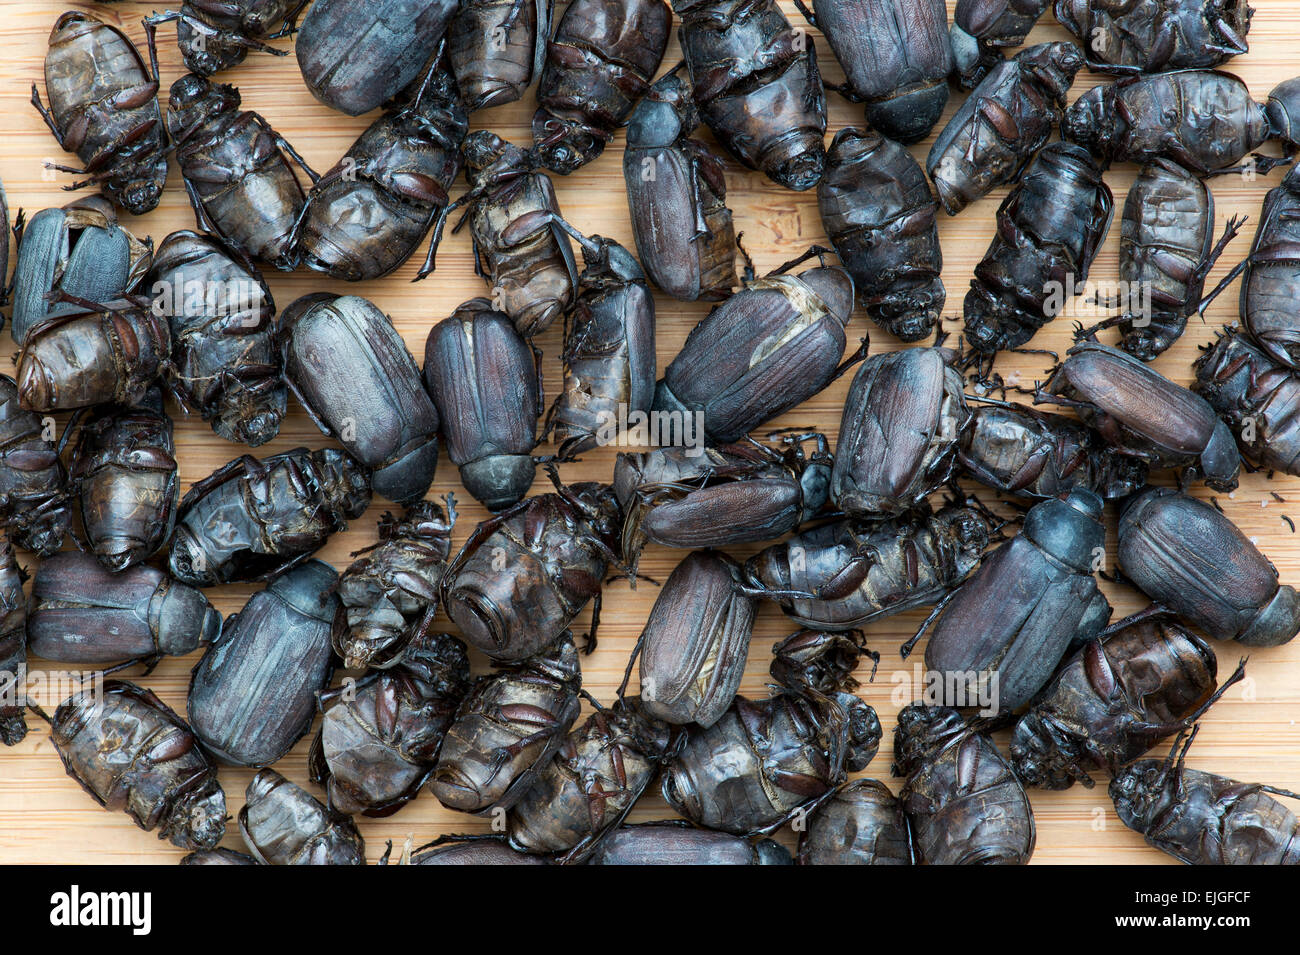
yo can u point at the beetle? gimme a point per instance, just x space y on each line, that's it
104 107
390 592
368 214
609 349
1140 680
82 612
79 250
379 740
896 59
677 197
127 749
599 63
1257 397
587 789
1154 37
470 850
774 344
1000 636
768 761
524 255
1049 229
1143 413
524 574
218 856
236 173
125 474
355 56
283 824
863 823
1185 555
1035 454
757 86
710 497
993 134
93 354
215 35
221 316
13 647
859 571
963 801
351 371
483 379
677 842
879 212
253 694
497 48
981 29
508 726
35 502
251 519
898 434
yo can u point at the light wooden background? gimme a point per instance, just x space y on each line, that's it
1252 734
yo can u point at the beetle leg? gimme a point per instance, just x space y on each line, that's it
906 649
200 213
749 273
284 145
858 356
45 115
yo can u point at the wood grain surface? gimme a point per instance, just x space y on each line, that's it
1251 735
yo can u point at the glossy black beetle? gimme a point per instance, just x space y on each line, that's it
497 47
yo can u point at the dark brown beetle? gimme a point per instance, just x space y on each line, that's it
468 850
218 856
82 613
1187 556
591 784
518 246
215 35
1153 36
35 503
1143 413
677 197
711 497
483 378
253 694
283 824
609 350
965 804
104 108
508 727
983 28
1257 397
896 58
240 184
94 354
358 54
774 344
862 824
1049 229
1142 679
352 373
1020 450
390 592
677 842
523 575
862 571
224 364
367 215
1002 124
879 212
378 741
1270 286
1203 819
898 435
132 753
599 63
124 472
766 762
252 519
757 86
13 647
497 48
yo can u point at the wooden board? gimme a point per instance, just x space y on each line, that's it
1252 734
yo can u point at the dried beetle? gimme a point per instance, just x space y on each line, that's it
283 824
1153 36
215 35
982 28
677 842
35 509
218 856
1270 287
497 47
470 850
862 824
13 647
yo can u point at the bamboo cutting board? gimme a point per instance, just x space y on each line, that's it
1251 734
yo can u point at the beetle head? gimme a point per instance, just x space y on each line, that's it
194 100
1091 122
922 731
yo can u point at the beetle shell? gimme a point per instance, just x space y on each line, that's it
1151 36
483 379
496 49
214 37
34 497
13 647
283 824
670 843
253 695
1270 286
862 824
83 613
1187 556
